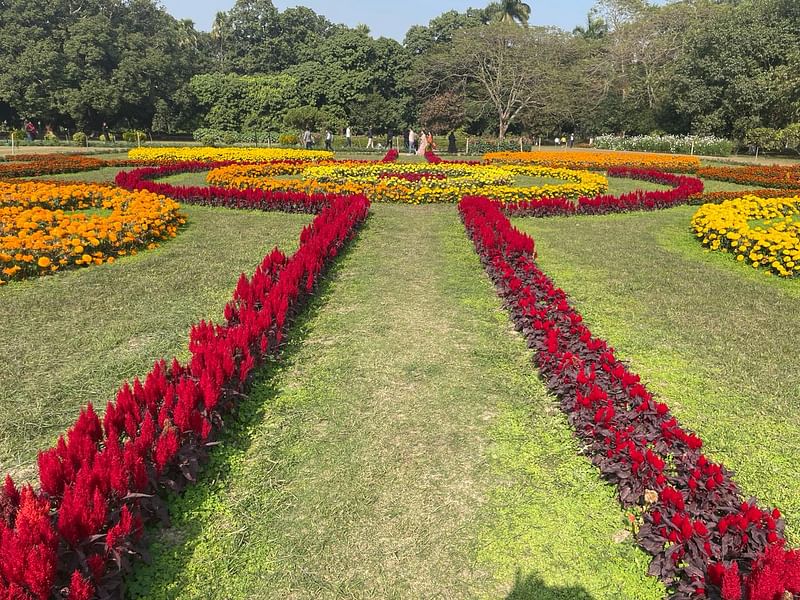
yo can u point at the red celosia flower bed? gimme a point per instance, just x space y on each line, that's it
768 176
391 156
432 157
683 188
141 179
705 541
101 482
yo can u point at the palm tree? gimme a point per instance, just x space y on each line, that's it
510 11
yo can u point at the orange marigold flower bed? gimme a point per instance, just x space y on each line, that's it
43 231
598 160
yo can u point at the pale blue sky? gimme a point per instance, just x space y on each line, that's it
390 18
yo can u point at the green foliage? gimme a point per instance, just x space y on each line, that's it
315 119
135 136
79 137
288 139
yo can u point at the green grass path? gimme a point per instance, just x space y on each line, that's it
405 449
716 339
72 338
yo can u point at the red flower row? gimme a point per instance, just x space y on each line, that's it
683 188
704 540
267 200
391 156
101 482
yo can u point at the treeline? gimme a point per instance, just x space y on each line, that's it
715 67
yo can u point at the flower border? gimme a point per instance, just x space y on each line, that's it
705 540
100 483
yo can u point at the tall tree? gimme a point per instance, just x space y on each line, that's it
502 69
514 12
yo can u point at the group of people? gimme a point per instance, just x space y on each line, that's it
419 144
416 143
563 141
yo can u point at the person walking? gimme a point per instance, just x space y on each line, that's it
564 141
30 131
389 139
571 140
329 140
423 143
307 139
370 140
412 141
348 135
452 148
557 141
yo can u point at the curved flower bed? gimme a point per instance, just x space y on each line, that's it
244 155
458 179
774 244
40 233
706 542
684 188
597 161
255 199
102 481
773 176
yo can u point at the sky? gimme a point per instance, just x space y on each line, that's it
389 18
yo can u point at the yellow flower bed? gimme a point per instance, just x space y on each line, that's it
438 183
761 232
245 155
40 234
597 160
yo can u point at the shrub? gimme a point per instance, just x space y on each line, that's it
79 137
134 135
706 144
288 139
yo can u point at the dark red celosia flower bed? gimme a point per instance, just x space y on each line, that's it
719 197
391 156
142 179
683 188
706 542
768 176
101 482
37 165
412 177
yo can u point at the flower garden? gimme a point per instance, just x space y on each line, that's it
364 377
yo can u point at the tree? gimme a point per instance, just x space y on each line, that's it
444 112
500 68
513 12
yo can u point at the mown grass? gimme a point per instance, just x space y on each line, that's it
405 449
716 340
73 338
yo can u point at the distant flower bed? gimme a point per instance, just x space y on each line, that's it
244 155
707 145
760 232
36 165
39 233
596 160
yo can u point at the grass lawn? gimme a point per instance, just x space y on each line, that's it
716 340
74 337
405 449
